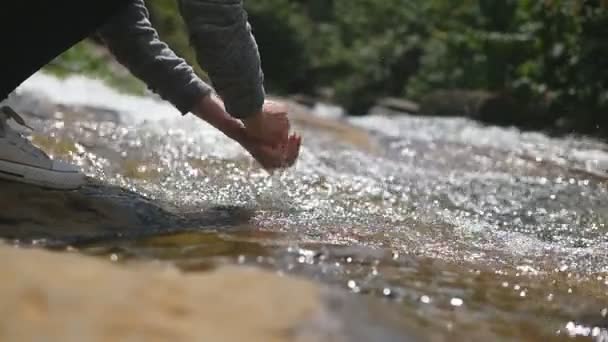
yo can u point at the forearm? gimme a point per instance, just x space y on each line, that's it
227 51
135 44
211 109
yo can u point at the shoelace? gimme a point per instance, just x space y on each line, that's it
11 114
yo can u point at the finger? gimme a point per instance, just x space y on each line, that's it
273 157
298 148
281 121
282 135
275 139
299 144
276 107
284 138
293 150
278 111
279 114
277 132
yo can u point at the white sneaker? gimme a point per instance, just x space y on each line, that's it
23 162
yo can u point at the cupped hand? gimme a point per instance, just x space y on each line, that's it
275 157
270 126
273 150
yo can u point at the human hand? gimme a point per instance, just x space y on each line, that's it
270 156
274 157
270 125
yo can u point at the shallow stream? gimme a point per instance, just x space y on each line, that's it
469 232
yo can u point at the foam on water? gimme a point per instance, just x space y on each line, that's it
84 91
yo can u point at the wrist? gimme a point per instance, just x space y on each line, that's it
207 103
211 109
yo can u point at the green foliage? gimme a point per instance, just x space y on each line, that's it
358 50
165 17
285 39
86 58
545 53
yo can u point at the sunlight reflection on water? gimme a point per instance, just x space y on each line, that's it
458 224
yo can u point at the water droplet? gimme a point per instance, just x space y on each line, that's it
456 301
352 285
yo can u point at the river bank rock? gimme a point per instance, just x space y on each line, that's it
95 212
398 105
476 104
67 297
495 108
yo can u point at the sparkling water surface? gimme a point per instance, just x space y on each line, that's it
471 232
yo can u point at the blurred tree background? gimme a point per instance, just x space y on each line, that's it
548 59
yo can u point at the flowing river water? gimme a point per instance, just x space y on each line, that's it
469 232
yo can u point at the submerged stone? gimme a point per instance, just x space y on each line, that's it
61 297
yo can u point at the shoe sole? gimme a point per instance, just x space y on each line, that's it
51 179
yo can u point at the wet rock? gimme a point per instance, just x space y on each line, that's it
398 105
61 297
477 104
95 212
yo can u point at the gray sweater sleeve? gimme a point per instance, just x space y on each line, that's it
133 41
225 49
